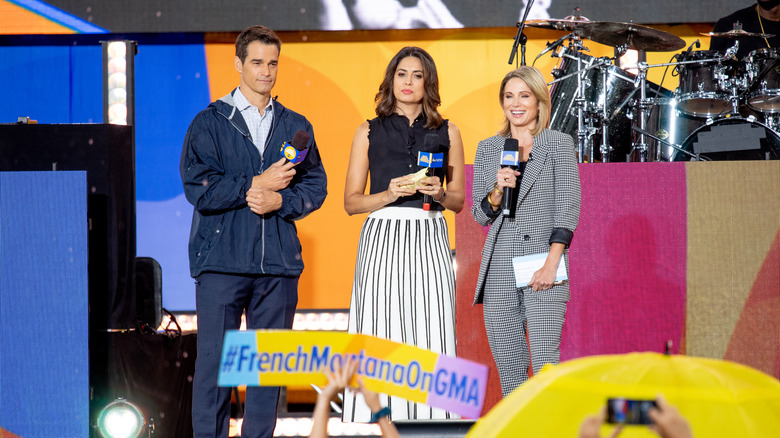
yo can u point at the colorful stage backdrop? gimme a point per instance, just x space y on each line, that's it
681 252
331 77
686 252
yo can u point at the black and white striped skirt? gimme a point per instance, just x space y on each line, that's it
404 291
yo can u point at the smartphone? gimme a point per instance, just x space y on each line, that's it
628 411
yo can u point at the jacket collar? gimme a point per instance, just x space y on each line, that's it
226 107
536 162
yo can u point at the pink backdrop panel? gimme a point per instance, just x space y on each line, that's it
627 260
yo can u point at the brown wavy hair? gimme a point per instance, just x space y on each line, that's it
385 99
258 33
535 81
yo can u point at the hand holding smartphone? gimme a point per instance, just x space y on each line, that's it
628 411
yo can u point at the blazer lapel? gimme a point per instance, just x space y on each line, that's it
535 163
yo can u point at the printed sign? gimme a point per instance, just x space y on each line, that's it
286 357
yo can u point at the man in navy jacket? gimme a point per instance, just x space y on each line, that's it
244 250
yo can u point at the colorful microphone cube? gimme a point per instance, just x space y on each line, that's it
293 155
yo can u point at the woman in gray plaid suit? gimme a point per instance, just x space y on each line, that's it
546 213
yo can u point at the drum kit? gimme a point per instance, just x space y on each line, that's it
723 108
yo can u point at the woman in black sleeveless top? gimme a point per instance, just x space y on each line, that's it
404 286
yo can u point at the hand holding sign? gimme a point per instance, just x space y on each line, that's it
286 357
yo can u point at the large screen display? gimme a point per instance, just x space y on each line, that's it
228 16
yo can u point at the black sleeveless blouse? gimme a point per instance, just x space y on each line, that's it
392 152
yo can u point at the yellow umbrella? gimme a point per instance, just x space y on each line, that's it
719 398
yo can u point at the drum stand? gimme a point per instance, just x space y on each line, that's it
581 103
641 146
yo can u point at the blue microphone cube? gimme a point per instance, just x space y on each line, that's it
510 158
430 159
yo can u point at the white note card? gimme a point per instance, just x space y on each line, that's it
525 266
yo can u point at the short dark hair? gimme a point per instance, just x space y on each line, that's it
256 33
385 99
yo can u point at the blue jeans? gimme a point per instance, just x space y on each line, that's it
221 299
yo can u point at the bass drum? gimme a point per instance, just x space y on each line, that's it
613 93
733 138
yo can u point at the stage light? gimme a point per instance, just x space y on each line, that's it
122 419
119 82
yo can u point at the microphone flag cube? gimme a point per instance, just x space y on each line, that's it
510 158
292 154
430 159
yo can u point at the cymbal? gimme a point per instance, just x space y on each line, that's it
737 33
565 24
634 36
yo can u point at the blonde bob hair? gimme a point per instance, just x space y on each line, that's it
535 81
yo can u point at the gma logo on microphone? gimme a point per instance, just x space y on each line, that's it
510 158
293 155
430 159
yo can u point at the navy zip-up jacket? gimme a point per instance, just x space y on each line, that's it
218 161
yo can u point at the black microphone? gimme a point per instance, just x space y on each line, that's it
554 45
427 158
295 151
684 56
510 157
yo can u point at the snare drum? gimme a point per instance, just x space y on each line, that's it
701 93
763 70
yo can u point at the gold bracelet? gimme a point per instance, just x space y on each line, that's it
495 189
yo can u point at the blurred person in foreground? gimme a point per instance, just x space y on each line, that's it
338 380
667 422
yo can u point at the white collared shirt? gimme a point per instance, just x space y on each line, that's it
259 125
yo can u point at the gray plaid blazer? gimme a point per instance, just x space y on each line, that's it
548 198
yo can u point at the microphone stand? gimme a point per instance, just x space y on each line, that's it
520 38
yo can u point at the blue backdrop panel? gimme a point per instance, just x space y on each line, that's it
51 84
171 88
44 359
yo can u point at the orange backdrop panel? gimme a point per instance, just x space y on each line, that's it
333 83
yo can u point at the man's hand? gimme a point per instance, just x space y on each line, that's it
276 177
263 201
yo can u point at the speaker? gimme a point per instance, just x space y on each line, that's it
107 154
148 291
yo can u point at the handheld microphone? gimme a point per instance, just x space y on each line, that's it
295 151
427 158
510 157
